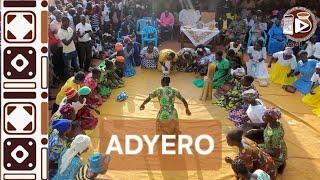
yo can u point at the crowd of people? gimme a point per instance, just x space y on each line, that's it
106 30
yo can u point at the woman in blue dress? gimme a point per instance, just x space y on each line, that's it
305 68
70 162
128 66
277 40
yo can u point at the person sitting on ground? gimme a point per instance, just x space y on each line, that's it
167 60
70 162
282 71
253 157
91 81
242 173
273 134
149 56
203 58
305 69
238 115
186 57
256 66
97 164
237 47
128 51
109 79
57 142
74 82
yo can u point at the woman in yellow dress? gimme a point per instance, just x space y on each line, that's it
313 98
167 60
282 71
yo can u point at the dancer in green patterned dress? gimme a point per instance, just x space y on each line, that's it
166 96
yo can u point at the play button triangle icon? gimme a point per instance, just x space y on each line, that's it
300 26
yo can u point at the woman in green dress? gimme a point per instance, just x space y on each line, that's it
274 143
221 74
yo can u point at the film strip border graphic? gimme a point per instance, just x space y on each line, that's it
24 89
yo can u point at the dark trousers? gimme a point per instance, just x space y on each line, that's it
57 61
85 55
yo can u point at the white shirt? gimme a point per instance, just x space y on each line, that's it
105 14
290 62
82 28
317 50
315 78
256 55
256 112
66 34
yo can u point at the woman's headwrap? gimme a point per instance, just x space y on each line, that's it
94 162
126 40
70 93
61 125
79 144
275 113
67 110
261 175
238 72
120 59
118 47
288 51
250 94
84 91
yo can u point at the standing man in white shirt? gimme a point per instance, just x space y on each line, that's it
70 56
84 32
106 17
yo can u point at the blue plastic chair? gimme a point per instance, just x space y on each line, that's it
141 23
265 36
149 34
119 38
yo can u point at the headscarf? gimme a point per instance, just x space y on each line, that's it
288 51
79 144
120 59
238 72
250 94
70 93
261 175
84 91
94 162
118 47
67 110
61 125
126 40
275 113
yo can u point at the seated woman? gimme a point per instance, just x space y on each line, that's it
277 40
282 71
256 66
305 68
237 47
58 142
273 134
232 98
150 56
91 81
129 70
241 171
313 98
109 79
252 156
238 115
221 74
186 57
167 60
69 161
203 57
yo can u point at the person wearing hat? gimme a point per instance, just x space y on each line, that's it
74 82
69 161
313 98
57 142
97 164
305 69
273 134
284 65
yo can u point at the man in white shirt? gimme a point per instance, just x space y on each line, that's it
106 17
70 56
84 32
